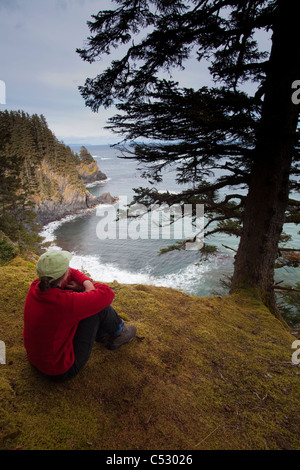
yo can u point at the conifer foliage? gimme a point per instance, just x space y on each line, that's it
26 146
85 156
239 151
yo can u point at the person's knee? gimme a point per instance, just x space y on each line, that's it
109 320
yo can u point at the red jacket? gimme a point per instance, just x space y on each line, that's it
51 319
75 275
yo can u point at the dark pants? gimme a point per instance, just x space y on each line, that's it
89 330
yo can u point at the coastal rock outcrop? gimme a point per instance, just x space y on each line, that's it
65 196
69 203
106 198
90 173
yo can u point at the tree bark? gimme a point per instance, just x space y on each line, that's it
269 179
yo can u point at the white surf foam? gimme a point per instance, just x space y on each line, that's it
49 229
96 183
184 280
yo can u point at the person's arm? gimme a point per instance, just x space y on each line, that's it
88 285
83 304
79 282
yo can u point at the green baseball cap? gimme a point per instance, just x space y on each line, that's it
53 263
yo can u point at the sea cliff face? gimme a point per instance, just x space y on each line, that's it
55 209
66 197
40 175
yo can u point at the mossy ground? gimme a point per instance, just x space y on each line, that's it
203 373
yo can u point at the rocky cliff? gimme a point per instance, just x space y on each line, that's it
35 167
90 173
68 197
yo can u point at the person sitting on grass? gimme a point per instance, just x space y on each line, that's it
64 314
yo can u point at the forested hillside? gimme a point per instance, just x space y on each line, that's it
41 179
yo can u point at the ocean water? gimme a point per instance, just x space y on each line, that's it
136 259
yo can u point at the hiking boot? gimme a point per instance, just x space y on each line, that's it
127 334
105 337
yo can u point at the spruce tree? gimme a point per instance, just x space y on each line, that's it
85 156
251 137
17 218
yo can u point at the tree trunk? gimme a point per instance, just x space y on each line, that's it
269 179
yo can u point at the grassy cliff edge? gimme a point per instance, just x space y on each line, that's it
203 373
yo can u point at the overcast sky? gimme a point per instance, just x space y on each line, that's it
42 71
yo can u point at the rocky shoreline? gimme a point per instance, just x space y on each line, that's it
50 211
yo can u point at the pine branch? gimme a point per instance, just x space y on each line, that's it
288 289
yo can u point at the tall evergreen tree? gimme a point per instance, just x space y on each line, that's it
252 139
17 218
85 156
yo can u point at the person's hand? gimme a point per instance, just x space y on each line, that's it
75 286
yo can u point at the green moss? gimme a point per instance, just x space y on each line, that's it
203 373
